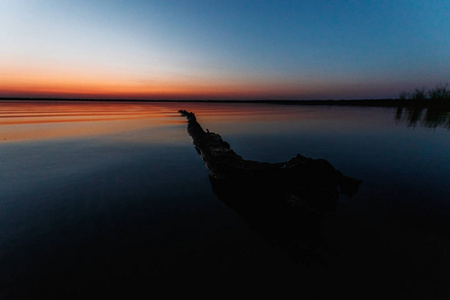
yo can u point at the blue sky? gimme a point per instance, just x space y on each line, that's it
223 49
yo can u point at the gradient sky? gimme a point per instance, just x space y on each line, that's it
211 49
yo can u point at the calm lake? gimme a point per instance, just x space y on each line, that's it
103 195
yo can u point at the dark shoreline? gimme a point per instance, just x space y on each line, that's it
356 102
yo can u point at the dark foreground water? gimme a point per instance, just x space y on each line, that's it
103 197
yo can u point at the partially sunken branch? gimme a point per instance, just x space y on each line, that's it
300 180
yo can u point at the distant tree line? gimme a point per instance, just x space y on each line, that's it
439 92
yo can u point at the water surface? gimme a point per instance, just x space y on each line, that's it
102 195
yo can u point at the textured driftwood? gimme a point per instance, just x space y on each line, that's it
300 181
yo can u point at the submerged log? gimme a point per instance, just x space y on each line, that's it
300 181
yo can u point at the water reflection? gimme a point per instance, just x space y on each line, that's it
28 120
430 117
108 208
294 228
283 201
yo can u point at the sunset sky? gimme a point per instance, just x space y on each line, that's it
230 49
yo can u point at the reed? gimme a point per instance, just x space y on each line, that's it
439 92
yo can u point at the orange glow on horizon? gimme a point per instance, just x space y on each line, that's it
105 91
77 83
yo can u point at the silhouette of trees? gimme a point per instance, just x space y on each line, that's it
428 107
439 92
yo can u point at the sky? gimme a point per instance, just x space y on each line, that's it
230 49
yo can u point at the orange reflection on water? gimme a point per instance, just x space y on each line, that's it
31 120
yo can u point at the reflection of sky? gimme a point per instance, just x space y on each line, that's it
222 49
22 121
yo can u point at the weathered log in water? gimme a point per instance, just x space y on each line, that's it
299 182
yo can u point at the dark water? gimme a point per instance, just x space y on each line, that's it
103 197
